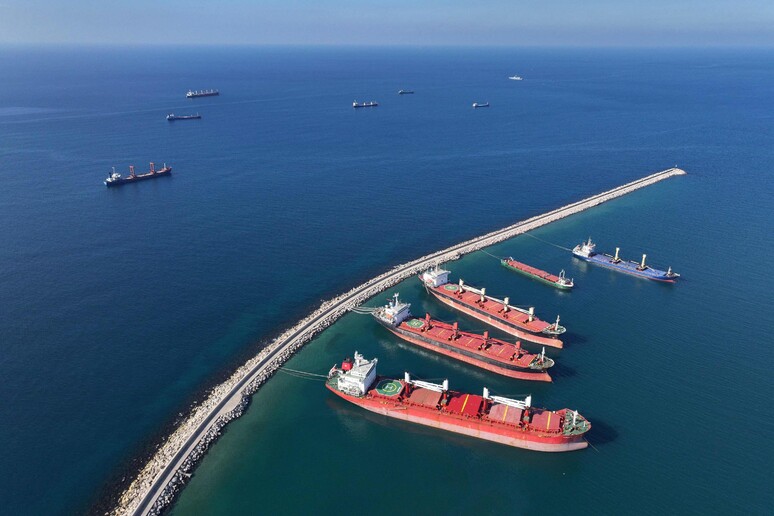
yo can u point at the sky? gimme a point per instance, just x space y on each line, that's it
606 23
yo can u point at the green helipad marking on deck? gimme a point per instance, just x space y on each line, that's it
416 323
388 387
451 288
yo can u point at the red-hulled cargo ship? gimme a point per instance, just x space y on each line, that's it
494 418
495 312
561 282
481 351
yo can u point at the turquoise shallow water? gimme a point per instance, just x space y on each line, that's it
120 306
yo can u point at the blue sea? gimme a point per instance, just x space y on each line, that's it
120 307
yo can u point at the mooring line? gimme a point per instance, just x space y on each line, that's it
547 242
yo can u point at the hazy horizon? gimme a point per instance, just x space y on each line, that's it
496 23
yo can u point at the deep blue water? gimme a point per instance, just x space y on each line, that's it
117 307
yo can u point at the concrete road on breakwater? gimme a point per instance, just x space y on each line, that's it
156 484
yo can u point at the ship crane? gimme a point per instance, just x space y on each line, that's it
525 404
442 387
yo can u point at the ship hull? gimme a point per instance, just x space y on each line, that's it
627 268
141 177
467 426
496 322
449 351
541 279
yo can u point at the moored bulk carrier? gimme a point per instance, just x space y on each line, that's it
587 251
503 420
495 312
115 179
561 282
481 351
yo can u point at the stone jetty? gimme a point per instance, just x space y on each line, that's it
167 471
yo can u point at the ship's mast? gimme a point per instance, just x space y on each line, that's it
442 387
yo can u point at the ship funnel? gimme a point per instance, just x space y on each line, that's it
531 313
462 286
486 336
616 254
131 170
407 377
486 393
505 304
483 294
446 385
152 168
642 265
528 401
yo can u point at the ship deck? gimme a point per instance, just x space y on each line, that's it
553 278
494 308
463 406
491 349
629 266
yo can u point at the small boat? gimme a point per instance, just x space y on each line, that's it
405 92
515 78
171 117
477 105
357 104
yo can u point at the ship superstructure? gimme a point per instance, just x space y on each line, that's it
509 421
498 313
587 251
482 351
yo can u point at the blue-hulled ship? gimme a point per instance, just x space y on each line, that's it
586 251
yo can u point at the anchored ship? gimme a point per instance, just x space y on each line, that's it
495 312
586 251
560 282
405 92
481 351
357 104
172 117
515 78
508 421
477 105
115 179
201 93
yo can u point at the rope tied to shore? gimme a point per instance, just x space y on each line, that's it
547 242
304 375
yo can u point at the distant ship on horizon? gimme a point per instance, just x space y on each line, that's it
477 105
406 92
201 93
515 78
172 117
357 104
